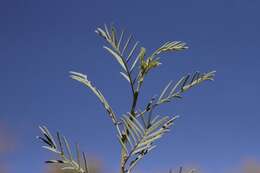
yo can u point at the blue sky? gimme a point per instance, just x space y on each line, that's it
42 40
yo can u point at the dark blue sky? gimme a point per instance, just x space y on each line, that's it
40 41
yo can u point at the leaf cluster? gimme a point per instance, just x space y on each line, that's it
141 138
124 51
139 129
184 84
61 147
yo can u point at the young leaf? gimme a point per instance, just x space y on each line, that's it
67 148
132 51
126 44
125 76
117 56
165 90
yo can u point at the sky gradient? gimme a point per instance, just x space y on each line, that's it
41 41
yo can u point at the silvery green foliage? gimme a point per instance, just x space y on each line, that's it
63 150
138 130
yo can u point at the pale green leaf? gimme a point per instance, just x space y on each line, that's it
51 149
117 56
132 51
125 76
165 90
127 43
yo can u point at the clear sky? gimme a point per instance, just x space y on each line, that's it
40 41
